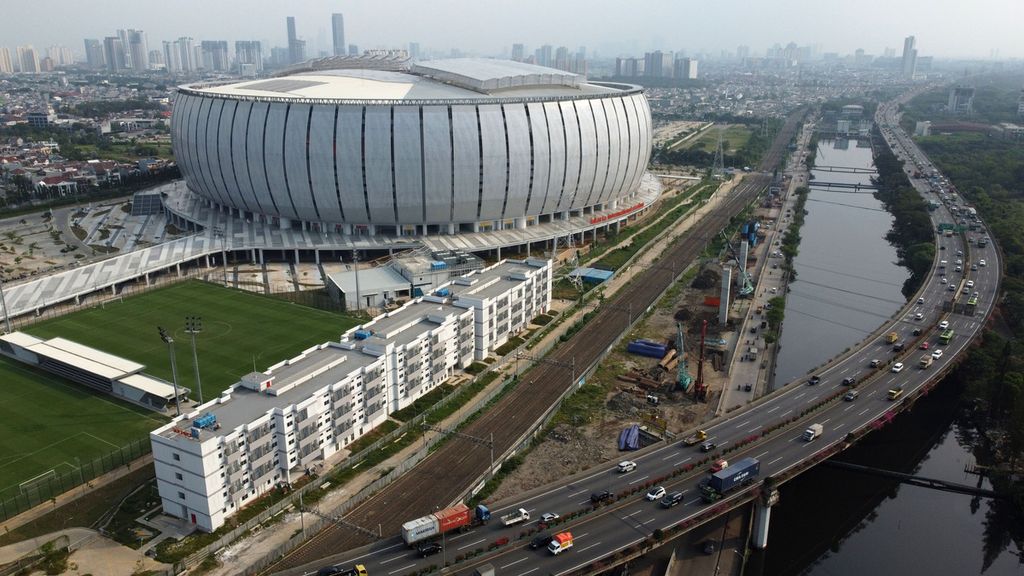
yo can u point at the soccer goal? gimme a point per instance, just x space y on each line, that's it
36 481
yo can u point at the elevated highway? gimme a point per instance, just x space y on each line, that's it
769 430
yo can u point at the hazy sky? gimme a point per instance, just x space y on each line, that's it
613 27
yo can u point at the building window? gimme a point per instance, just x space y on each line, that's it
177 475
176 456
181 495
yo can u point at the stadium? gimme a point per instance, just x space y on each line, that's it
441 147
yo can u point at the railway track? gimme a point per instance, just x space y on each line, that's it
443 476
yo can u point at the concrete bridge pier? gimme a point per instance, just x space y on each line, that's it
763 515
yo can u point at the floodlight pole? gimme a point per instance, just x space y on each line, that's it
3 302
174 367
194 325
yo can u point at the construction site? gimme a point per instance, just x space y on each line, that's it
667 375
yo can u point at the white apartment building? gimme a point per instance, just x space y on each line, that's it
271 426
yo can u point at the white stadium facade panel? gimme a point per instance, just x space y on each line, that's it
337 149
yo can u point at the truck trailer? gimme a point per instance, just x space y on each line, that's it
454 518
717 485
925 361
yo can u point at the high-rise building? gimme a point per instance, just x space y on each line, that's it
685 69
214 55
6 66
249 55
909 57
961 100
414 50
113 54
156 59
338 30
889 53
296 47
518 52
94 53
60 55
137 49
1020 104
353 50
544 56
562 58
183 55
743 52
654 64
627 67
28 60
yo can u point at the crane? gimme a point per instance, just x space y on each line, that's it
684 379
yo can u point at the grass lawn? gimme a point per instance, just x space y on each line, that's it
735 134
48 423
240 330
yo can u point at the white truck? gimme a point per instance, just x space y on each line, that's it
812 432
515 517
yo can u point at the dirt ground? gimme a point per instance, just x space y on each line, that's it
570 449
672 130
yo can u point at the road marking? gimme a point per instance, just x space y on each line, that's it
471 544
681 462
786 412
649 521
754 429
825 421
693 501
581 550
641 479
776 408
770 463
670 456
528 571
585 502
375 552
634 513
402 569
848 408
744 423
392 559
762 454
516 562
577 493
862 412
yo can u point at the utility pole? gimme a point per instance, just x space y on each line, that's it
194 325
355 266
174 367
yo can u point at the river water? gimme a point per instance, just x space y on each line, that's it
832 522
847 280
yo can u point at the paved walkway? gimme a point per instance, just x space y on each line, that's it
254 548
769 282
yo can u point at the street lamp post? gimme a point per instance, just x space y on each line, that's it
3 302
194 325
174 367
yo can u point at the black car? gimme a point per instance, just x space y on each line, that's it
597 497
541 541
814 380
708 446
672 499
428 549
849 381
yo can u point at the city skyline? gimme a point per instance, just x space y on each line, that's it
491 28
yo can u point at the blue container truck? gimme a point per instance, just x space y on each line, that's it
717 485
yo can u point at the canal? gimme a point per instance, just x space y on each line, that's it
832 522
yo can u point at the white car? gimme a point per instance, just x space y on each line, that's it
656 493
920 300
981 262
944 324
918 316
944 280
897 367
970 283
627 466
549 517
937 354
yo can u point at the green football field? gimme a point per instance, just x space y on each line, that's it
49 426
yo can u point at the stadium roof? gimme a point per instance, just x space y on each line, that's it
456 79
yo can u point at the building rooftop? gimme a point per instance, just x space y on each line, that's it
330 363
456 79
492 281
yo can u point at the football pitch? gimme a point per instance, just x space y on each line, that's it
50 426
